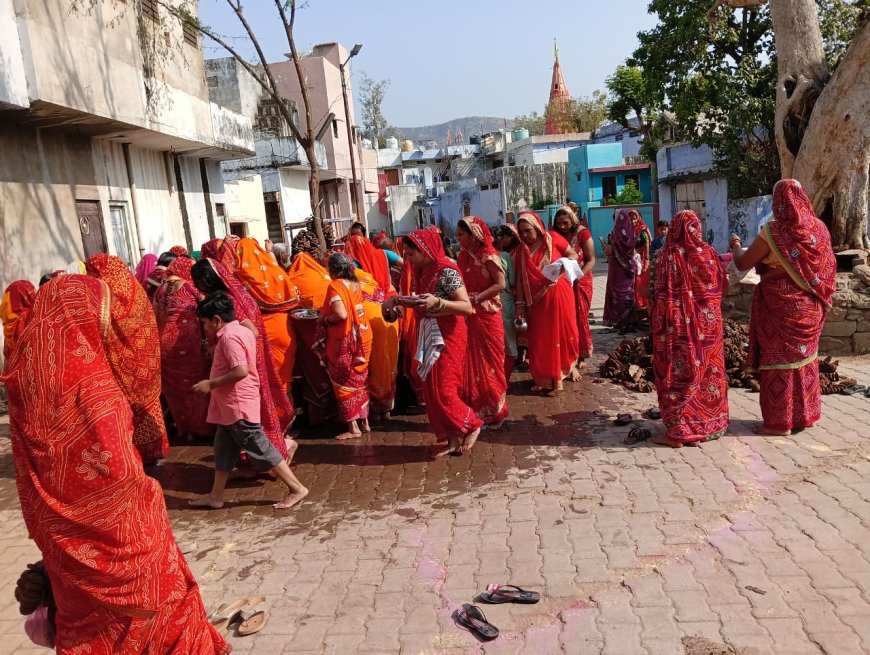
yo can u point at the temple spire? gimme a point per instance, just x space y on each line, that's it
558 108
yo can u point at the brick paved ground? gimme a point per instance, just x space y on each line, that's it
744 545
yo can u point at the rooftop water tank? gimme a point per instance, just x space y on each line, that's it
521 133
407 145
392 143
367 143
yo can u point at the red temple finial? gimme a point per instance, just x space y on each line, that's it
558 108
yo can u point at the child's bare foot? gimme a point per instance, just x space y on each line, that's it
292 499
207 501
292 446
349 435
365 425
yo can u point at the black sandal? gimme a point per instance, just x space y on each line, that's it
508 594
653 413
636 436
623 419
473 618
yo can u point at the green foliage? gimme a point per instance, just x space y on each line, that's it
583 114
719 81
629 195
632 97
372 94
539 202
535 123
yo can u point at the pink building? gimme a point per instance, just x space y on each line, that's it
322 70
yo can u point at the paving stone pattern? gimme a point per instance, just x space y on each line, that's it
744 545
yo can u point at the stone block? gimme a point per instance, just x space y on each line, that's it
744 302
835 346
862 273
835 328
863 326
838 314
861 343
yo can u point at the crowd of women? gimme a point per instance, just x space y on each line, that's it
336 332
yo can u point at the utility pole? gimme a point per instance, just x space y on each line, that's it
350 144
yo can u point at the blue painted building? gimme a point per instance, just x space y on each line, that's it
599 171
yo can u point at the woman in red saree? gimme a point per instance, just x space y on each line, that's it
135 354
276 295
345 345
376 289
183 360
312 280
687 339
15 307
276 411
485 386
567 225
118 578
442 338
547 306
408 336
643 240
798 271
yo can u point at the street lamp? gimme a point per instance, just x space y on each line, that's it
356 190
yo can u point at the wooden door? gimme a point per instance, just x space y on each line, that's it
690 195
91 225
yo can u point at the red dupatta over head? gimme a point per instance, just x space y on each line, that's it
623 240
480 231
17 302
801 242
221 250
179 251
532 284
180 268
145 268
134 352
429 243
371 260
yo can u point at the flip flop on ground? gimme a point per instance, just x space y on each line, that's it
509 593
474 620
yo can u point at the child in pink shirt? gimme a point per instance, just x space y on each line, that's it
234 406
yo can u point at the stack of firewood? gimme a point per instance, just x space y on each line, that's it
631 364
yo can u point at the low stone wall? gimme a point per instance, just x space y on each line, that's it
847 328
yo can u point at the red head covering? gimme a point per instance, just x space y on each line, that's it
17 302
179 251
180 268
480 231
134 352
532 284
370 259
221 250
380 239
429 243
801 242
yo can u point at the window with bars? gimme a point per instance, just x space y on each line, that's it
149 9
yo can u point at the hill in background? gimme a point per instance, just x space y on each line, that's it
469 125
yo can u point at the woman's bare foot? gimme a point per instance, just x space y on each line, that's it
292 498
348 435
292 446
469 441
576 374
767 432
206 501
666 441
364 425
450 450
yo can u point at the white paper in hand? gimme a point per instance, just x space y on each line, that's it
572 269
553 271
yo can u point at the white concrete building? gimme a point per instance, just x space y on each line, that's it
105 148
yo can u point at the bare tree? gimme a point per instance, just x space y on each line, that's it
371 96
822 125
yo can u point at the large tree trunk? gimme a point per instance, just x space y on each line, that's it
802 74
834 159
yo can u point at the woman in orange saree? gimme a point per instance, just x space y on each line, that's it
312 280
798 271
276 295
345 344
182 350
374 278
15 307
119 581
484 383
442 339
134 353
567 225
548 307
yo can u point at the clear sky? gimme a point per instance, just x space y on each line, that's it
451 58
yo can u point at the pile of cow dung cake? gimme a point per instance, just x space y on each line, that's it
631 364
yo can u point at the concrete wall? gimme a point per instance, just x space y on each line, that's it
745 215
244 204
13 79
521 185
487 204
402 210
295 196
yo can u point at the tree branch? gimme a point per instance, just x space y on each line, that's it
291 41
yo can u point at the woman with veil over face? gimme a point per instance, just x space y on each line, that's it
118 579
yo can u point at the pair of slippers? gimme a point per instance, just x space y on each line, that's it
474 620
249 613
653 414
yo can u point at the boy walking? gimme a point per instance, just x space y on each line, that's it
234 405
